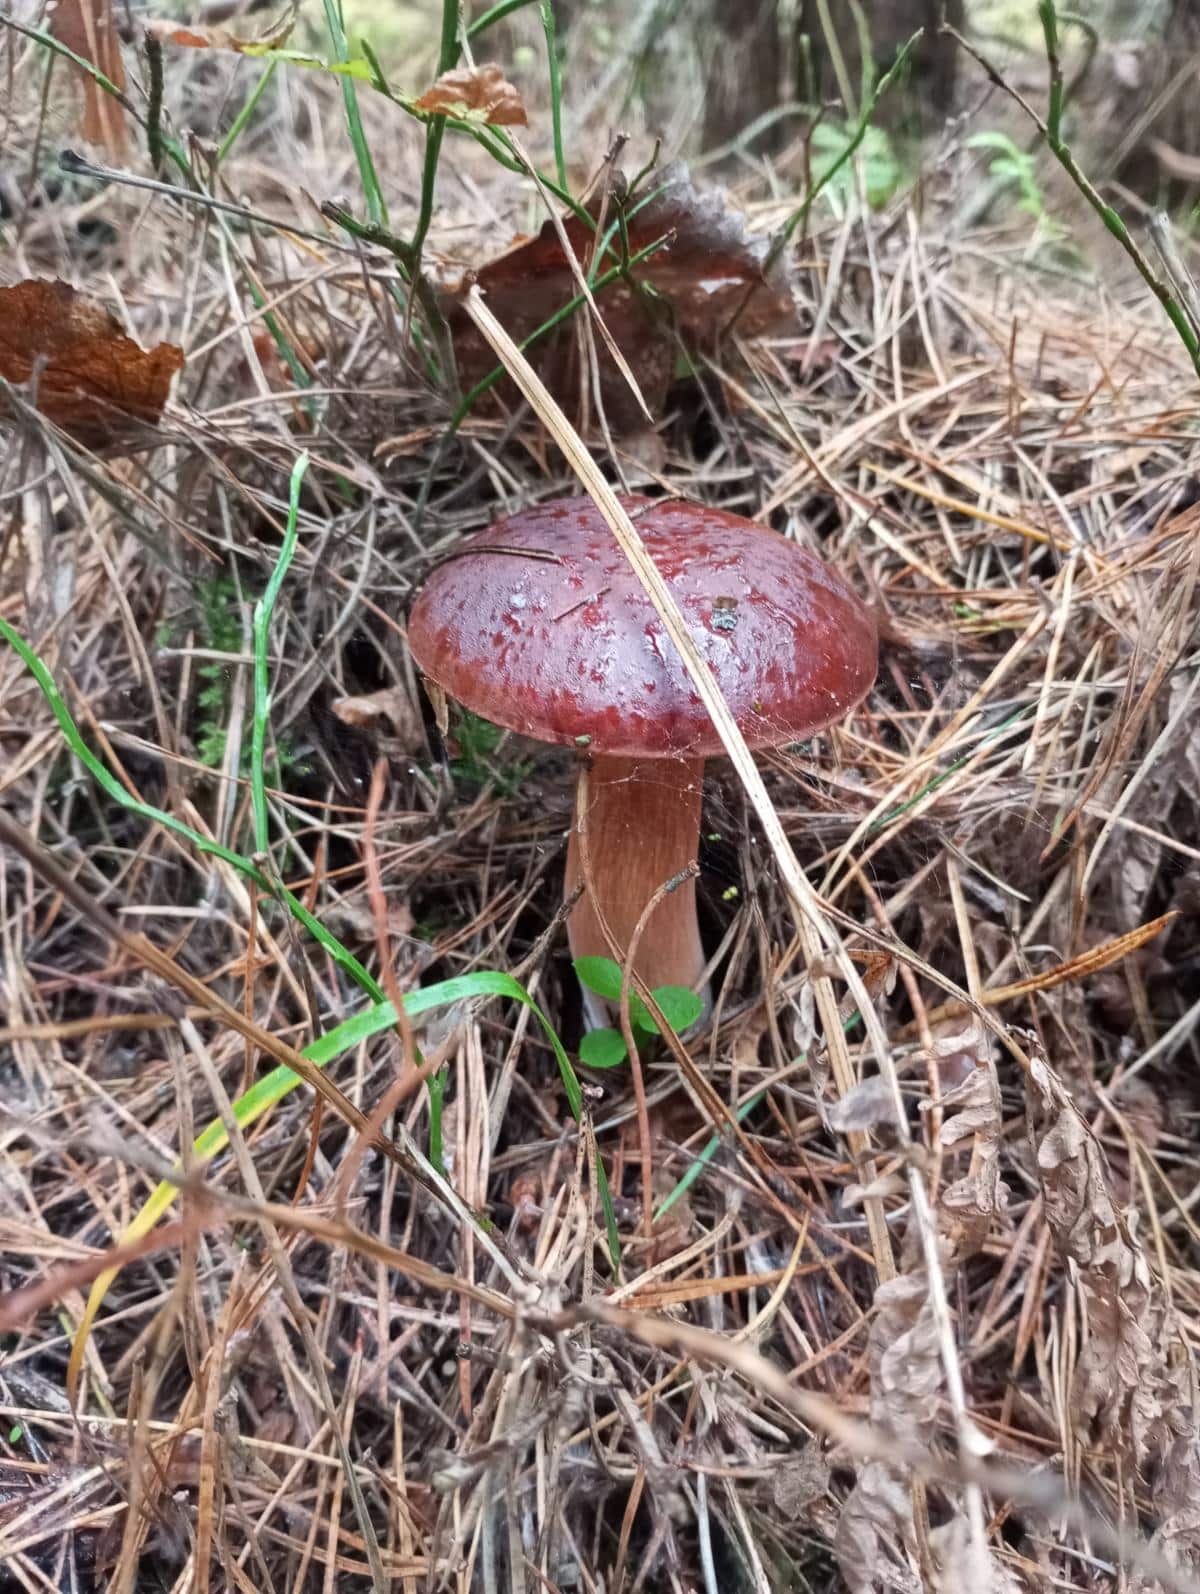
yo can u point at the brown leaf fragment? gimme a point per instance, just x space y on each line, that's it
863 1106
389 710
1118 1373
974 1111
706 284
85 375
88 28
800 1481
475 94
875 1538
196 36
963 1567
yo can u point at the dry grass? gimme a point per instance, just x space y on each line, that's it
327 1372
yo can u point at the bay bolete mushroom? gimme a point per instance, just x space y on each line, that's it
539 624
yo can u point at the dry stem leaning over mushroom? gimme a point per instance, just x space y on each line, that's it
565 646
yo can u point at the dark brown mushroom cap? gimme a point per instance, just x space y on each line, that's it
566 645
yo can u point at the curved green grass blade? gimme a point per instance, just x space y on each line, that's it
263 610
270 1090
349 70
113 788
703 1158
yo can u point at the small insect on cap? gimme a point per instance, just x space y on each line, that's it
539 624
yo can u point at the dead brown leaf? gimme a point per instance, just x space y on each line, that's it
1135 1381
974 1110
1120 1367
475 94
389 710
85 375
196 36
87 28
1176 1487
863 1106
875 1539
708 281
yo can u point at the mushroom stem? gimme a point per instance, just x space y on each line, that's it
643 827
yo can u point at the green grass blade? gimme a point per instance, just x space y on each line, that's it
555 67
108 783
435 132
483 982
242 119
367 175
263 611
703 1158
497 13
271 1089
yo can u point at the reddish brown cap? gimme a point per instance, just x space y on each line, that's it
539 624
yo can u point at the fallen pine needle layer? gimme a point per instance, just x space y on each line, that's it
917 1298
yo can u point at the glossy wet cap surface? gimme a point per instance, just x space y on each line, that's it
539 624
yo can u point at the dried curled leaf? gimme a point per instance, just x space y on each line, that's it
389 709
1176 1486
708 281
980 1195
86 375
1135 1380
87 28
876 1525
1120 1366
863 1106
475 94
195 36
974 1110
961 1565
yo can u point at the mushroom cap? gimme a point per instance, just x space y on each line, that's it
565 645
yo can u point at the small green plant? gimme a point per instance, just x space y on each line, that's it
477 740
882 172
1015 167
221 632
605 1048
